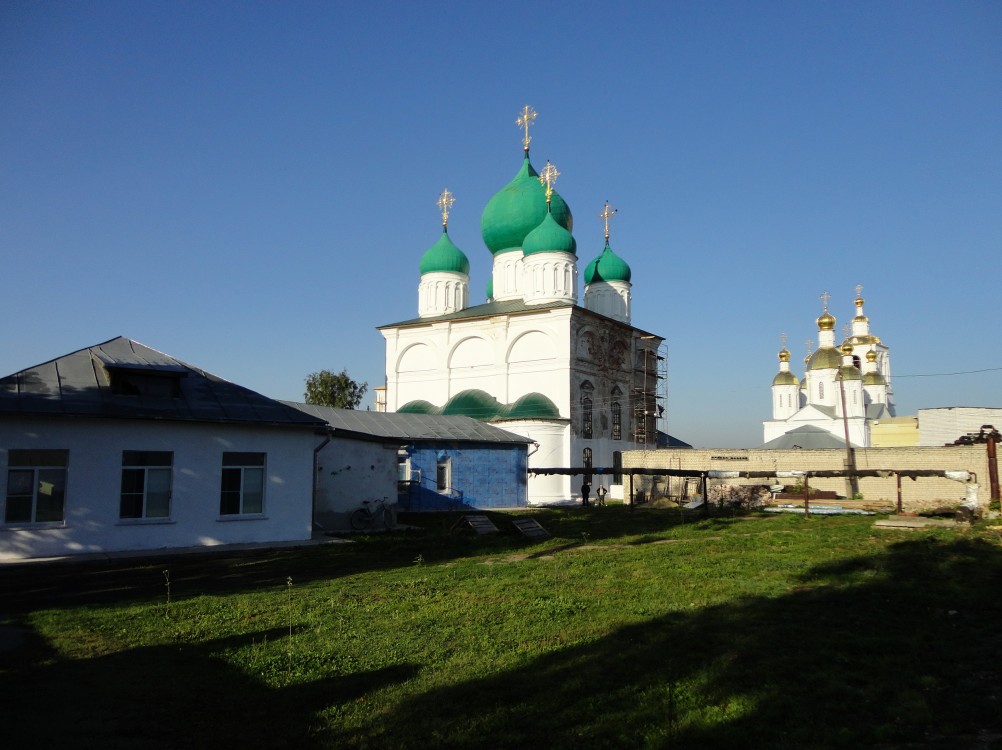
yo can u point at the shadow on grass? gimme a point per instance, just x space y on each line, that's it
74 583
894 650
172 696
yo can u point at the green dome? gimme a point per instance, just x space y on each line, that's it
418 407
532 406
549 237
825 358
444 256
519 208
473 403
850 372
607 267
874 378
785 378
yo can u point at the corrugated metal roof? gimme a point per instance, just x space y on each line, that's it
408 427
80 384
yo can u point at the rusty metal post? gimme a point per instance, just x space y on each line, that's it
900 504
631 492
993 467
706 495
807 492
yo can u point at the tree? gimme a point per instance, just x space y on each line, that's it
326 388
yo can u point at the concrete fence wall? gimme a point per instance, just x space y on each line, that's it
919 495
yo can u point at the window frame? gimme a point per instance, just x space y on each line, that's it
443 471
242 464
54 463
617 420
136 463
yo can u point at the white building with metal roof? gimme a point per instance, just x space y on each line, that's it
120 447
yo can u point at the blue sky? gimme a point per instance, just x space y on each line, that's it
249 186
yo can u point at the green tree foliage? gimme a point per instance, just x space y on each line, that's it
326 388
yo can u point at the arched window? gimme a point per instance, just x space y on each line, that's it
617 421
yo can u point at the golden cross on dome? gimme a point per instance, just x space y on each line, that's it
783 337
444 203
824 298
810 346
607 213
525 119
847 329
859 290
548 176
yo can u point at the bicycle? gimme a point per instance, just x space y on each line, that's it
371 512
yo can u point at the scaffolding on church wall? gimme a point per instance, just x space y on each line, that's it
650 393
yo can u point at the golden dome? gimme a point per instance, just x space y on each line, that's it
871 356
785 378
826 322
874 378
784 355
846 348
825 358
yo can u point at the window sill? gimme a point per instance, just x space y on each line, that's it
28 526
144 521
242 517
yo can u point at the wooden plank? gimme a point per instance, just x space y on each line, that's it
530 527
481 524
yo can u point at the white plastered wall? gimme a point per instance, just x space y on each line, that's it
92 522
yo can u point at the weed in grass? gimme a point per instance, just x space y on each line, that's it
167 585
419 560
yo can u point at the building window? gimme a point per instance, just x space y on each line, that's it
443 474
586 418
36 486
146 484
617 467
242 487
617 421
821 390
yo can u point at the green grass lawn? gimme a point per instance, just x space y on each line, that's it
623 630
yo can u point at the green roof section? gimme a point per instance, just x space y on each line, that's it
419 407
517 209
483 406
490 288
607 267
785 378
549 237
532 406
445 257
474 403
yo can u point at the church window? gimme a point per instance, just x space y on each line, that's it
617 421
821 390
854 397
586 409
617 467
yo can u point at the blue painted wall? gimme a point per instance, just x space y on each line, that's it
488 475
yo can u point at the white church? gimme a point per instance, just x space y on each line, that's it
844 389
576 377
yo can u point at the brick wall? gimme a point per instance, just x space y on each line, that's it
923 494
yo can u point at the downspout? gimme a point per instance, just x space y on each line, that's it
316 472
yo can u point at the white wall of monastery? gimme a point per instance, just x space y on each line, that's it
923 494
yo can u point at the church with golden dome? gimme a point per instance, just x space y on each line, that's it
844 391
537 357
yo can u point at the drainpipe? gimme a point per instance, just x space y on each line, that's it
316 472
